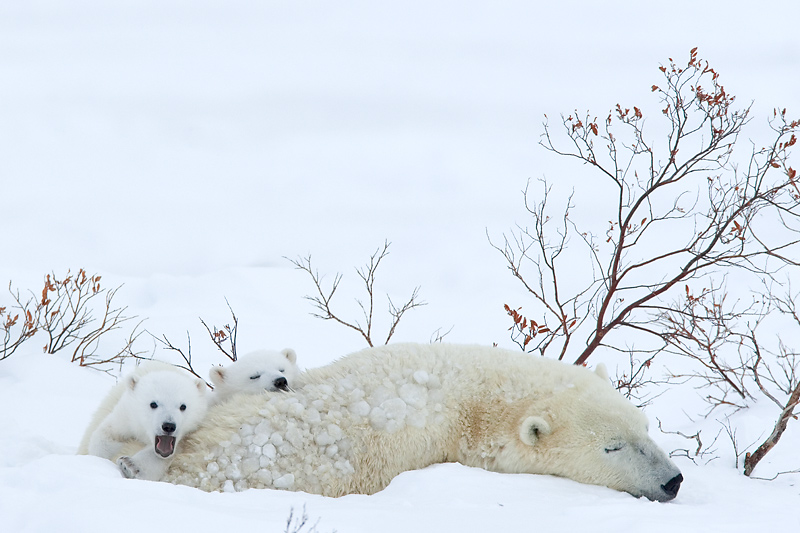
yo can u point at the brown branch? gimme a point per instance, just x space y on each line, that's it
397 313
226 335
699 452
322 300
752 459
185 356
26 329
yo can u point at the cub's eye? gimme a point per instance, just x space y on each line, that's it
153 405
615 447
183 407
256 376
281 370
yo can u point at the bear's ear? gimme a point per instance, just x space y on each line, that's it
217 374
602 371
532 429
131 381
290 355
201 386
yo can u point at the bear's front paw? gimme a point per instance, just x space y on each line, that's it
128 467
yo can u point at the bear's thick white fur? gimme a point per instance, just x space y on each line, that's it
255 372
148 411
351 426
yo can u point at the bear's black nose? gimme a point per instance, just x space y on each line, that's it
169 427
281 383
671 487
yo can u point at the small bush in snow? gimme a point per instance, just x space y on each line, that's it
300 524
323 298
71 313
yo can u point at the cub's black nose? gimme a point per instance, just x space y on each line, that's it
671 487
169 427
281 384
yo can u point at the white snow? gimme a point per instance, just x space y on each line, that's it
183 149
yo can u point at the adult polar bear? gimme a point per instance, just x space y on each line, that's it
352 426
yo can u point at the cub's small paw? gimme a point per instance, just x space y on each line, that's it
128 467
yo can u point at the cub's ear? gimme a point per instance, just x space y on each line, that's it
131 381
217 374
201 386
290 355
533 428
602 371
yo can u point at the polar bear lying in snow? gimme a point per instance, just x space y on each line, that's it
149 411
353 425
255 372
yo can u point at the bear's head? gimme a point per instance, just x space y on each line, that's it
167 405
585 430
256 372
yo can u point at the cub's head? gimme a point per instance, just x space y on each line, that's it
256 372
168 405
586 431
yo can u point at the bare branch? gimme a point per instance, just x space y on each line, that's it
25 330
752 459
700 452
225 339
322 300
438 336
186 356
397 313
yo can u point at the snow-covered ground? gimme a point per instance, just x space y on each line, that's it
184 149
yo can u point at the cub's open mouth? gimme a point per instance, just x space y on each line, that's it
165 445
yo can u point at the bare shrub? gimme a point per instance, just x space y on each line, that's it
682 210
734 361
225 338
439 335
185 362
73 313
699 451
14 331
322 301
693 221
301 523
778 381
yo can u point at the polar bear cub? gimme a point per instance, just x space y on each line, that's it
149 411
255 372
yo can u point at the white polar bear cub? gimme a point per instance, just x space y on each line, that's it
255 372
152 408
